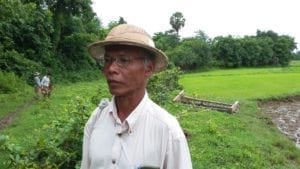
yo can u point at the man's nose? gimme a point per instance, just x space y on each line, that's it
113 65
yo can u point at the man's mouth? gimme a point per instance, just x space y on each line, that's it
113 82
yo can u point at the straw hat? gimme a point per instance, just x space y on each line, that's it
125 34
36 73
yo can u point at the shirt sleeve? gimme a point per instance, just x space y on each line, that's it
85 162
178 154
37 81
43 81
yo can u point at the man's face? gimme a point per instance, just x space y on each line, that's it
125 70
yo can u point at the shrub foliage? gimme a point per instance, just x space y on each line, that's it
10 83
61 142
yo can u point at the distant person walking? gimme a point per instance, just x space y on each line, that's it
37 84
46 85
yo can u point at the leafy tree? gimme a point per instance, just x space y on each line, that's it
192 54
266 53
62 10
271 34
25 38
12 61
177 21
166 41
183 58
113 24
227 51
250 51
201 35
283 49
296 55
73 33
75 56
34 33
104 31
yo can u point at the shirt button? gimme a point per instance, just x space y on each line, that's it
113 161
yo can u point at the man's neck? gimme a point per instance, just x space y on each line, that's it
126 104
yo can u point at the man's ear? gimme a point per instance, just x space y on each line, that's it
149 69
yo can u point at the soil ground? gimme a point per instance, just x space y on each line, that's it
7 120
285 114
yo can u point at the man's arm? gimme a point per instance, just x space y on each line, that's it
88 129
178 154
85 162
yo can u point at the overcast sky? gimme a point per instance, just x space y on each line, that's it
214 17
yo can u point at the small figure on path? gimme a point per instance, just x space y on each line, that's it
46 85
37 84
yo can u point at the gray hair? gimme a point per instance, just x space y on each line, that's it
148 56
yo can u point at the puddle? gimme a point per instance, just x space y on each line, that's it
285 115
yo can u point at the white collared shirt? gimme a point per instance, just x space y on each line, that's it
45 81
149 137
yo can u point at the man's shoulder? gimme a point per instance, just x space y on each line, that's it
100 109
157 111
162 116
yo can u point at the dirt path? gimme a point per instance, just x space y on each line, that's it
285 115
6 120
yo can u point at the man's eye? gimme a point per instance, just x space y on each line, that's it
106 60
124 60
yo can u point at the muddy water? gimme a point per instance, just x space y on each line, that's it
285 115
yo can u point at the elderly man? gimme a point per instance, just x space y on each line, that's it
132 131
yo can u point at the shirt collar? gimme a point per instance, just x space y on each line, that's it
133 117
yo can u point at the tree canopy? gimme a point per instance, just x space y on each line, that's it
52 36
46 35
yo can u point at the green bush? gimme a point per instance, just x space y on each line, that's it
13 61
59 147
73 76
75 56
191 54
162 84
10 83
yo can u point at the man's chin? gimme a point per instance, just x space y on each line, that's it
116 92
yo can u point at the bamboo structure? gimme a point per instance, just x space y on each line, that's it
223 107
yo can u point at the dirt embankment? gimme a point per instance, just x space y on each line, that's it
7 120
285 115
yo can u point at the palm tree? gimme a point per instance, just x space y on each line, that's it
177 21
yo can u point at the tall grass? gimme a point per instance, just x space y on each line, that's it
14 93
